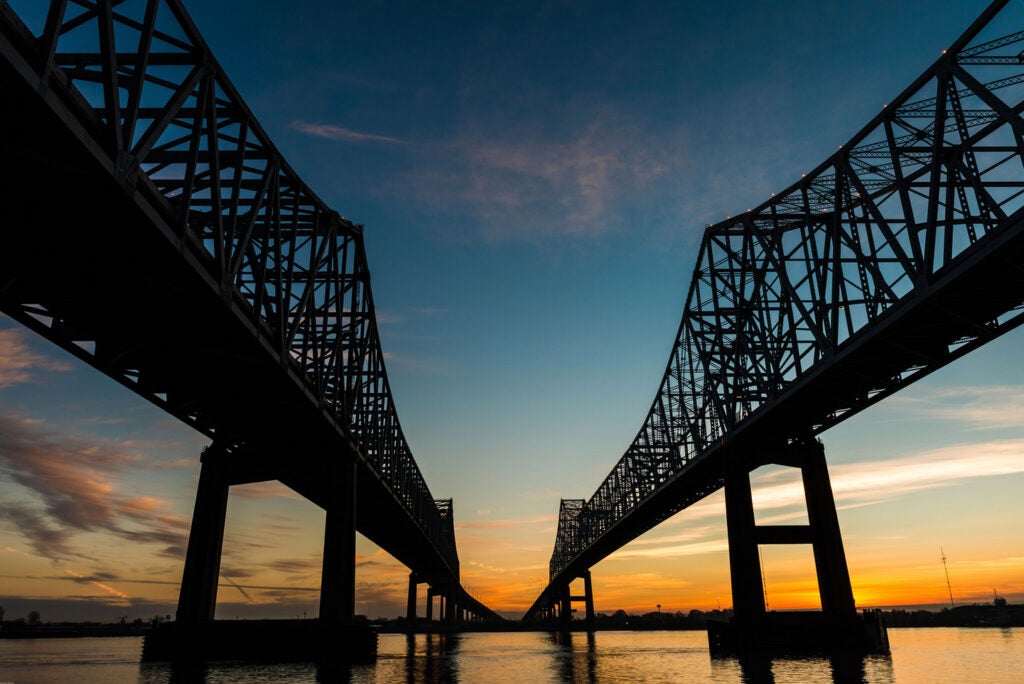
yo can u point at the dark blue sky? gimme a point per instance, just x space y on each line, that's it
534 176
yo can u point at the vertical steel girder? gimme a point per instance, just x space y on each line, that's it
779 290
158 103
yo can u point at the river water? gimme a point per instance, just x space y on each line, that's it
993 656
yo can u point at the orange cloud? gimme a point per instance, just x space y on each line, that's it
74 479
105 587
18 362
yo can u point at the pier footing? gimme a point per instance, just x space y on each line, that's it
782 632
263 640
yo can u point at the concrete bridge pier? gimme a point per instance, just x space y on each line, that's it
588 591
451 613
588 601
410 608
564 608
338 576
197 597
563 600
837 625
196 636
448 609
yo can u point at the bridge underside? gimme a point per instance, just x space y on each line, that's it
90 263
976 298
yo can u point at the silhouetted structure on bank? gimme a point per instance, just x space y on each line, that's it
900 253
154 231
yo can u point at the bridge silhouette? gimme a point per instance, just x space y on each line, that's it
153 230
898 254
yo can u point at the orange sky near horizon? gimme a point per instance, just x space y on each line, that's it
272 557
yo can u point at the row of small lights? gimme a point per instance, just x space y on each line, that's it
802 175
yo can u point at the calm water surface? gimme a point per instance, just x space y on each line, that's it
918 655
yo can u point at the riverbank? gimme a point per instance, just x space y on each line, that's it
978 615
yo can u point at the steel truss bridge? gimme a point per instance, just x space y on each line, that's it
898 254
152 229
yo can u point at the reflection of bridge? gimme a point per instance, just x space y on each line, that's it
153 230
898 254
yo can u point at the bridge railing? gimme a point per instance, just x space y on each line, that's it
157 102
780 289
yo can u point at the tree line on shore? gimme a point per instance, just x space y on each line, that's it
999 614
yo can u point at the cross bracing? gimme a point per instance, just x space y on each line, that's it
896 255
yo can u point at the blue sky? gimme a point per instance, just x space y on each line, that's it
534 178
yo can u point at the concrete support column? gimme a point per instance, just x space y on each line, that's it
451 615
430 604
744 562
827 541
410 608
565 608
197 598
588 591
338 580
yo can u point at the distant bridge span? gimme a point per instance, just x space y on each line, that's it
901 252
152 229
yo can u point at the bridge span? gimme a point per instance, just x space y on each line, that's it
897 255
153 230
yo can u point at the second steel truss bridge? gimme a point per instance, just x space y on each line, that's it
900 253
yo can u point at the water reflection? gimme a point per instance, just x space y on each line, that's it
577 658
576 655
432 658
838 668
249 672
334 673
848 668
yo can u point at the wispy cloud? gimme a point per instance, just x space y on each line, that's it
19 363
296 567
672 550
987 407
504 177
341 134
386 318
877 481
527 185
46 538
431 311
777 494
96 583
422 366
75 481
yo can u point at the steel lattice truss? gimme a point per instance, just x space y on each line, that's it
165 111
781 289
569 531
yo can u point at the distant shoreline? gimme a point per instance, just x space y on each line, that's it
71 630
973 616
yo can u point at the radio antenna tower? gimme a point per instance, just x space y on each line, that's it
948 585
